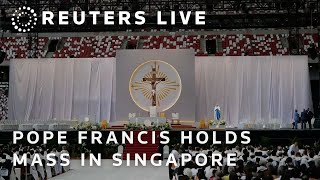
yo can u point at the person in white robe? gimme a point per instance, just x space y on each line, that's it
293 148
33 169
65 151
208 170
57 166
48 168
40 168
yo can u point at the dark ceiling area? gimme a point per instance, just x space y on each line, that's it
220 14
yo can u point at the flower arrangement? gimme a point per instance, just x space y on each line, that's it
213 122
162 127
153 127
217 122
222 122
87 126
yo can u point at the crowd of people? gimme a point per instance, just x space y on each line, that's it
3 104
304 117
29 172
253 163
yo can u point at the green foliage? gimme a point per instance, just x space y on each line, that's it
153 127
110 149
87 126
217 122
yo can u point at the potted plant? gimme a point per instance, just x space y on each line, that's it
213 124
221 124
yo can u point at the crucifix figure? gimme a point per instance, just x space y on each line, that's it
154 81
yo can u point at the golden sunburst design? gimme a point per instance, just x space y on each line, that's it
155 85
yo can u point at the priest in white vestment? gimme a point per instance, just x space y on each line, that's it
65 151
48 168
41 168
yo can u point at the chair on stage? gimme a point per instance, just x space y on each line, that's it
175 118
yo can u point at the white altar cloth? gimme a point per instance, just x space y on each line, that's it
141 120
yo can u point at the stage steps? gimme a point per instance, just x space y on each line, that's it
137 148
182 127
118 127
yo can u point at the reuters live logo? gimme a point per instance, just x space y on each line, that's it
25 18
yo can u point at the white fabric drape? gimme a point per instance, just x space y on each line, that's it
44 89
259 89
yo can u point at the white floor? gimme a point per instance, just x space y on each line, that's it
109 172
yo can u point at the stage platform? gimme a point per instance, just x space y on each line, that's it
191 125
187 128
122 126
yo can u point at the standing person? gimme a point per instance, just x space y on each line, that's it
296 119
309 118
303 119
172 168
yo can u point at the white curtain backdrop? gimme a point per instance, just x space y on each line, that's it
259 89
44 89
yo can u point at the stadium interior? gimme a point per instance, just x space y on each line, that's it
233 28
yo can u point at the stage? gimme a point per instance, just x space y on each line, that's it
160 81
167 124
192 125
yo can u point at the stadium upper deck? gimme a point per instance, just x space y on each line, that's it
220 14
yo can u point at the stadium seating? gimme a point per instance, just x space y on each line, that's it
308 39
95 46
14 47
106 46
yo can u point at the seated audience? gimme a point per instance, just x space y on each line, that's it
29 172
252 163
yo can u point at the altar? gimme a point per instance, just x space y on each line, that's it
148 120
162 79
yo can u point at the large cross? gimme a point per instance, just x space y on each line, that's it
154 81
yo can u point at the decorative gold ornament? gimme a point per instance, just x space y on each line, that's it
155 83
